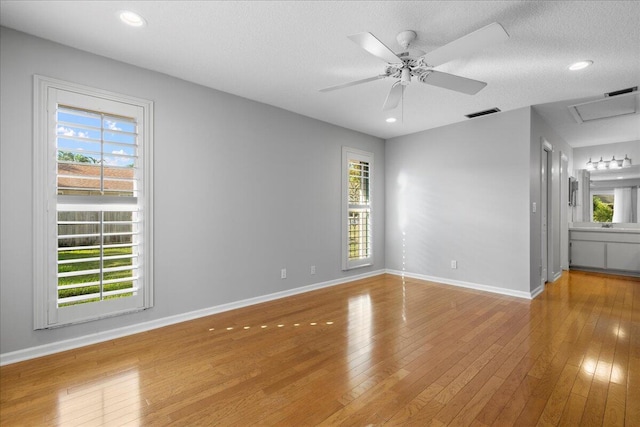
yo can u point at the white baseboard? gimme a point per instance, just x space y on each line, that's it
468 285
70 344
537 291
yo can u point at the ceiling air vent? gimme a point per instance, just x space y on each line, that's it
614 104
482 113
622 91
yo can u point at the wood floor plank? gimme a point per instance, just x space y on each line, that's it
378 351
595 406
530 414
468 413
615 406
557 400
573 410
505 392
632 411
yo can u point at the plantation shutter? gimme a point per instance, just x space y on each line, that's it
97 209
359 210
357 231
99 185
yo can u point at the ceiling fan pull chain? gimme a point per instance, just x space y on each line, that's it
402 107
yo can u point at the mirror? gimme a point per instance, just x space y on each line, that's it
613 196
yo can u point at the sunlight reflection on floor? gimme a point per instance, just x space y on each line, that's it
112 400
360 328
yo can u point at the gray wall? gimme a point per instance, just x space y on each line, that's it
242 189
459 192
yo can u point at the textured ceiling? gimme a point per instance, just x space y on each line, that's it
603 131
281 53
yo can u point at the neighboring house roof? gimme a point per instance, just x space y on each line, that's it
81 176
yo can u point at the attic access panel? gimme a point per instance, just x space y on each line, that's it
613 106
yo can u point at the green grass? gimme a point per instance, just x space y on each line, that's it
93 253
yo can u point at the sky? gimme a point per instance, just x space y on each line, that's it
80 132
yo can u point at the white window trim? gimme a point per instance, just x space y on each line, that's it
45 311
347 154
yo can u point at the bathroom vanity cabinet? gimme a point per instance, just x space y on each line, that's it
606 249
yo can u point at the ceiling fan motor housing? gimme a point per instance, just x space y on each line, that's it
410 67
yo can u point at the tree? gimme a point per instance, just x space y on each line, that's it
602 212
68 156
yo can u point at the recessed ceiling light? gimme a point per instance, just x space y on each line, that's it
132 18
580 65
391 120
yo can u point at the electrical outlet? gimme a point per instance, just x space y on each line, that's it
454 263
313 269
283 273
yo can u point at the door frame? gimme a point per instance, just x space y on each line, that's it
546 210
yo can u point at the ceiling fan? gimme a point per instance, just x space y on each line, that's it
414 63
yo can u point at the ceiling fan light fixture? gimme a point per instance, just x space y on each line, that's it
405 77
580 65
132 19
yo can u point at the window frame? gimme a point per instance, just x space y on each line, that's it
348 154
46 312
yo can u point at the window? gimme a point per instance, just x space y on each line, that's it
93 206
602 206
616 205
357 172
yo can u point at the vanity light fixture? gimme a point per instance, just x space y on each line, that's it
590 166
132 18
580 65
613 164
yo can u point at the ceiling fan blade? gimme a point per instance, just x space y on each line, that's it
485 36
357 82
394 97
371 44
457 83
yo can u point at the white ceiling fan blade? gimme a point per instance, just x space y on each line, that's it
485 36
394 97
357 82
371 44
457 83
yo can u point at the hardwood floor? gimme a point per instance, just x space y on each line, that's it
380 351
